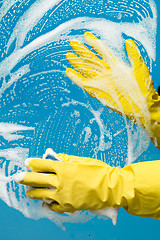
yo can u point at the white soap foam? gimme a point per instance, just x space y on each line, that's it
7 130
14 154
6 5
29 19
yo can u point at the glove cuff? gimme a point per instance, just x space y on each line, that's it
154 109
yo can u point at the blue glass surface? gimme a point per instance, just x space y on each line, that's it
49 133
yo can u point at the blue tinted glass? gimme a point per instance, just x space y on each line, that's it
40 107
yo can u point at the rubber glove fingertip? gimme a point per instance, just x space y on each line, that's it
28 195
27 163
129 41
90 36
73 42
86 34
70 72
18 178
67 70
70 56
131 45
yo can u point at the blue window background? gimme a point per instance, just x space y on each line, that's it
46 102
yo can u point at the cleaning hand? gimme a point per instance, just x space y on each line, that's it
78 183
126 90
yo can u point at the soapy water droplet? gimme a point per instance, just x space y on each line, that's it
42 108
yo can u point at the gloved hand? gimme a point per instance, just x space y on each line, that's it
88 184
126 90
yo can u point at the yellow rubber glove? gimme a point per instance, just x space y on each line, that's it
88 184
126 90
